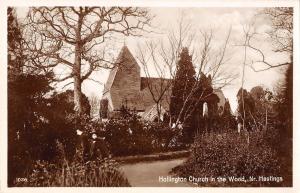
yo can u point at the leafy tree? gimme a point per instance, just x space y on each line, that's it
257 92
182 93
282 39
227 108
264 107
288 102
36 121
259 108
183 84
284 126
69 107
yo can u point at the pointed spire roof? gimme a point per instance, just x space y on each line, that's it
124 60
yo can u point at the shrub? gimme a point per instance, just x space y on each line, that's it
229 154
133 136
130 136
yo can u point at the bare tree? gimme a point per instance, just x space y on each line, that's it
247 32
160 85
213 61
72 37
282 28
281 36
165 56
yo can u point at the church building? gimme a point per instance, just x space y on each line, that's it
125 88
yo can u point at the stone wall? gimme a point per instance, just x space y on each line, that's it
125 89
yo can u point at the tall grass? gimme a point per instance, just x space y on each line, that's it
97 173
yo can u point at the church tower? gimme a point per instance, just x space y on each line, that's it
123 84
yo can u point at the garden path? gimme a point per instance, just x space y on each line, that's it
146 174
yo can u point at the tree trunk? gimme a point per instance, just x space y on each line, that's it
77 80
77 95
77 67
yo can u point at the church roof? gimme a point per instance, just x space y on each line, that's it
125 60
110 79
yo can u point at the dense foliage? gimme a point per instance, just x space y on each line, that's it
229 155
36 121
25 119
130 135
133 136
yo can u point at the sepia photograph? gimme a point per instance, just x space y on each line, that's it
143 96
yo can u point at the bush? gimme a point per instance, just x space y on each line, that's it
133 136
130 136
229 154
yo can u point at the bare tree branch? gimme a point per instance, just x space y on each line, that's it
74 37
281 36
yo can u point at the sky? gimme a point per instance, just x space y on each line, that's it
219 20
